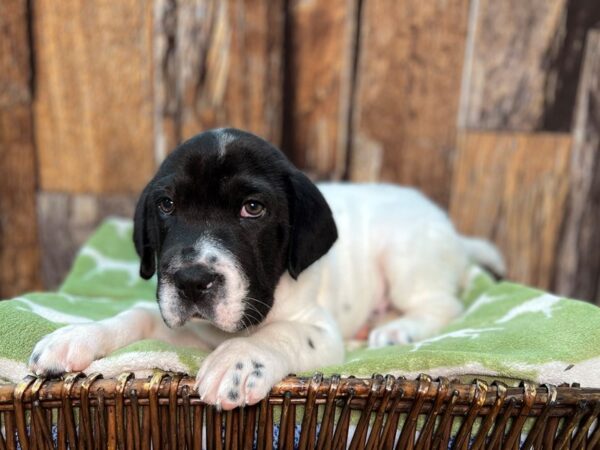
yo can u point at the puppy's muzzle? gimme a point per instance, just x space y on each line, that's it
197 282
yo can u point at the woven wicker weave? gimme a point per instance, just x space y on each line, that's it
164 411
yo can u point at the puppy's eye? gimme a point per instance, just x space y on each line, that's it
166 205
252 209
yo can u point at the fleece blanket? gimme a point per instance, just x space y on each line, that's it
508 331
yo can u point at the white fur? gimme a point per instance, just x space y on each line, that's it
169 303
224 138
395 248
229 307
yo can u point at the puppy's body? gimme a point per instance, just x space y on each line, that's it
248 265
396 253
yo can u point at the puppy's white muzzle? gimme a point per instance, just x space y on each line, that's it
207 283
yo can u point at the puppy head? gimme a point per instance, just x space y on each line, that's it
221 221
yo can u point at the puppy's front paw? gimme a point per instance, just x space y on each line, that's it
68 349
239 372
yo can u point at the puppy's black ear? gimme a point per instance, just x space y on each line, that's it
313 229
144 234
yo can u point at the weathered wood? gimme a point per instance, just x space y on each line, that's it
93 109
506 72
406 100
320 65
217 63
578 262
565 64
19 252
15 76
512 188
66 221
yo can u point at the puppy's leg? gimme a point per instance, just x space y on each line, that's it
428 315
424 287
74 347
242 370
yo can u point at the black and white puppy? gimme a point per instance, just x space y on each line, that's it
250 265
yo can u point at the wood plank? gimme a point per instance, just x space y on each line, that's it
506 73
566 61
578 264
67 221
512 188
320 66
15 76
406 100
93 109
19 251
217 63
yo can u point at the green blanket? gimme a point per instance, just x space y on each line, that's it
508 331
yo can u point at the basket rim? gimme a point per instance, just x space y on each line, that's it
73 387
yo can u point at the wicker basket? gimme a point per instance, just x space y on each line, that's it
164 411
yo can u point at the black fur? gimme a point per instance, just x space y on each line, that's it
145 233
208 190
313 227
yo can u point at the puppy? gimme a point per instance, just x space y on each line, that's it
250 266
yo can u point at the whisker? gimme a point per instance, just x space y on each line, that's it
244 324
259 301
261 314
256 300
249 312
253 309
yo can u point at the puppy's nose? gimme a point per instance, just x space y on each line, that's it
195 281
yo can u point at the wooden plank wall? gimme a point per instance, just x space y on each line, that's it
406 99
512 188
93 106
454 97
320 63
93 114
217 63
513 80
19 251
507 69
578 258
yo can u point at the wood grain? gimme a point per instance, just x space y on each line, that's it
512 188
507 74
217 63
15 76
321 59
578 262
406 100
565 63
19 252
93 109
